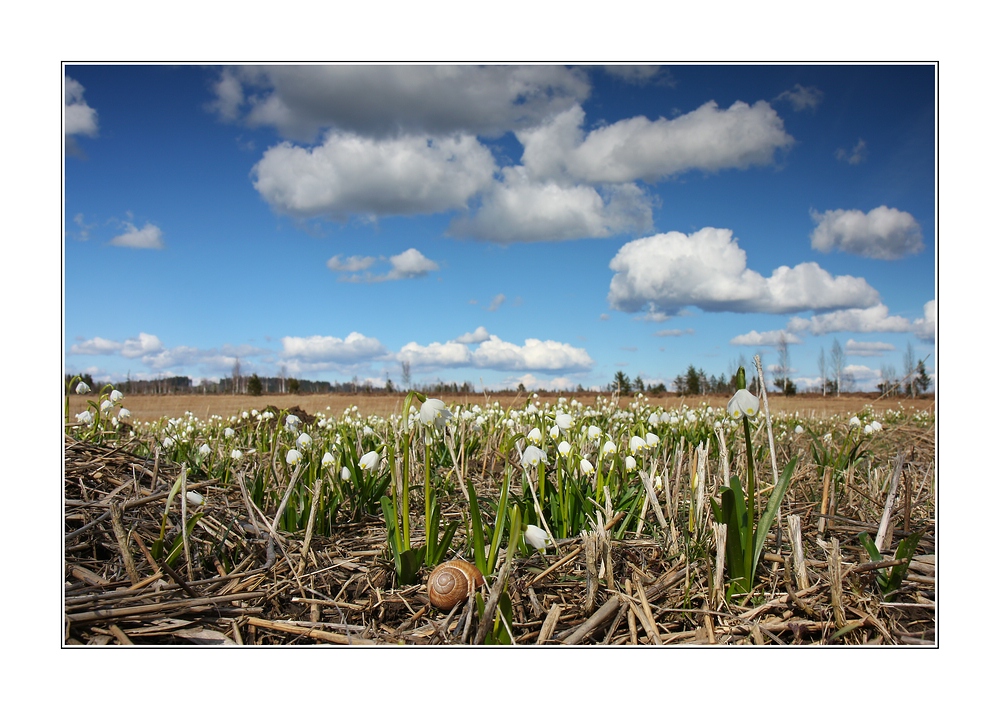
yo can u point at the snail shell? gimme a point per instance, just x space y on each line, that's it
451 582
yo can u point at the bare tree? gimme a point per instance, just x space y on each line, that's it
784 367
282 379
405 366
909 369
837 364
822 370
236 376
889 383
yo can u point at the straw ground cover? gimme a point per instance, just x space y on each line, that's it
311 527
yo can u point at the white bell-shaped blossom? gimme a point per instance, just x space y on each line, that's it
370 461
636 443
629 463
116 396
345 474
236 454
564 448
533 456
293 457
743 404
652 440
593 432
535 436
82 388
536 537
328 460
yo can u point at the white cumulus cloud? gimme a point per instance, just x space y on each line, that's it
301 101
802 97
493 353
477 336
145 344
149 237
882 233
874 319
925 328
96 346
353 174
409 264
769 337
707 139
329 349
351 263
435 355
707 269
78 117
519 209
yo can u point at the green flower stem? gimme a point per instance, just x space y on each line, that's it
427 485
751 505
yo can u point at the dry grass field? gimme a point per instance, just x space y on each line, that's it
146 408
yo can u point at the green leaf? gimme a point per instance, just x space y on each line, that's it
764 524
873 554
476 520
904 552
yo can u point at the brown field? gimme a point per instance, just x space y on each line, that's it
152 407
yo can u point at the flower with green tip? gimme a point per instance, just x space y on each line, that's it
85 417
535 436
328 460
533 456
636 443
195 498
116 396
564 448
370 461
83 388
345 474
204 449
304 441
236 454
536 537
293 457
629 463
743 404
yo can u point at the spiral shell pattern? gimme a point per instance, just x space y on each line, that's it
451 582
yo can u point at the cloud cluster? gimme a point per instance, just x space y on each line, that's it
882 233
79 119
802 98
874 319
708 269
867 349
330 350
493 353
926 328
857 155
771 338
385 141
409 264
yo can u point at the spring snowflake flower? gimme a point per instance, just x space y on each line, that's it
124 414
536 537
328 460
743 404
116 396
533 456
195 498
168 443
535 436
293 457
82 388
636 443
564 421
106 406
609 448
292 423
629 463
586 468
85 417
554 431
653 419
828 438
228 433
854 422
876 426
236 454
204 449
370 461
868 429
304 441
593 432
799 429
434 413
652 440
564 448
345 474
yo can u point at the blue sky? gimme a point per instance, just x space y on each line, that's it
546 225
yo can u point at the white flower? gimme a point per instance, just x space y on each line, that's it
532 456
593 432
228 433
799 429
195 498
868 429
536 537
652 440
370 461
854 422
877 426
535 436
292 422
629 463
743 404
85 417
609 448
564 421
554 431
124 414
828 438
82 388
345 474
586 468
653 419
304 441
328 460
116 396
564 448
293 457
106 406
168 443
236 454
636 443
204 449
434 413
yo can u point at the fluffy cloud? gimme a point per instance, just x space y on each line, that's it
477 336
496 354
149 237
78 117
328 349
352 174
802 97
883 233
769 337
708 269
382 101
496 302
145 344
96 346
708 139
674 332
875 319
867 349
409 264
518 209
924 328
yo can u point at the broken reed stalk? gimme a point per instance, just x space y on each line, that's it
121 537
890 500
304 556
798 553
836 583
